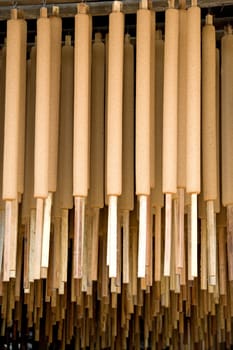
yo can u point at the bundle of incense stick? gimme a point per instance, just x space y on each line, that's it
116 208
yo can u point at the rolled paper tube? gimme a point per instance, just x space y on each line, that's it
115 103
25 203
152 101
81 147
193 100
143 54
157 197
182 85
15 73
170 101
126 200
55 61
105 117
2 113
42 112
96 193
227 117
209 122
217 202
2 116
22 108
65 168
81 103
28 198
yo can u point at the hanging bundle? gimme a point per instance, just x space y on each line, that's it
81 140
13 162
114 128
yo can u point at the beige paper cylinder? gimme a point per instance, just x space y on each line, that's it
55 61
42 112
29 201
209 122
2 115
143 54
65 163
218 201
25 204
193 135
152 101
115 103
96 194
81 105
170 101
15 62
126 200
227 117
157 198
105 118
22 108
31 132
182 100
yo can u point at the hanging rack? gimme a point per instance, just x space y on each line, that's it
97 8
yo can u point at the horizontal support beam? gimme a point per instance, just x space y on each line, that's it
97 8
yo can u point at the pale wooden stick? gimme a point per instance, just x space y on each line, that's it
230 241
26 241
2 220
168 229
134 260
64 244
79 236
183 270
142 236
203 255
222 260
32 248
190 277
112 237
126 252
19 266
119 254
86 252
38 237
56 252
175 238
13 238
173 245
180 252
194 235
95 244
7 240
46 233
157 249
211 242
